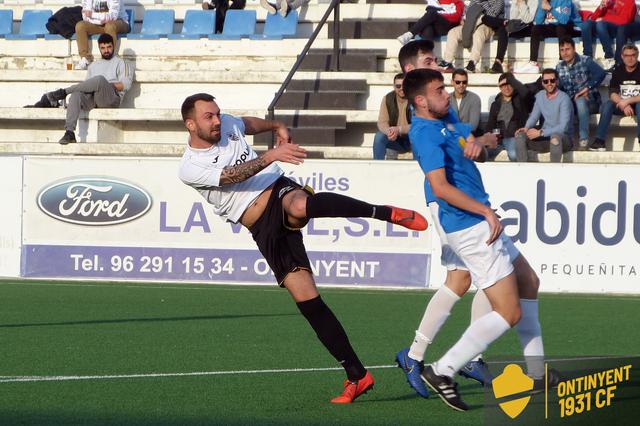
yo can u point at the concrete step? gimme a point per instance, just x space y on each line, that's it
310 101
364 60
371 28
308 137
325 85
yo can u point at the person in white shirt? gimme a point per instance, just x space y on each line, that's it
99 17
251 189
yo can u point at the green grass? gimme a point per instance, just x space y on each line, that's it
59 329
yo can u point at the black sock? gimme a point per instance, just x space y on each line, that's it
328 204
332 335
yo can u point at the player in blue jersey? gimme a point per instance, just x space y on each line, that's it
474 232
419 54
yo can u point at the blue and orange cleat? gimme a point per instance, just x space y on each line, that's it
477 370
412 369
352 390
408 218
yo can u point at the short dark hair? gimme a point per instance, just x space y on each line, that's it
503 76
398 76
415 81
190 103
550 71
630 46
566 40
459 71
105 39
409 52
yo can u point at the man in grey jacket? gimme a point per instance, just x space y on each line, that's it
555 134
465 103
105 85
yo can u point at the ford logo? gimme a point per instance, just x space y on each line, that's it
94 201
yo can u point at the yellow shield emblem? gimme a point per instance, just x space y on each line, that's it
512 381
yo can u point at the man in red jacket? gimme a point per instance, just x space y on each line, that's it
608 20
440 17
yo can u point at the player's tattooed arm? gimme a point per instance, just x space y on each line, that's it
242 172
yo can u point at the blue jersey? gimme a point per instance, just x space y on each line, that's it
440 144
452 118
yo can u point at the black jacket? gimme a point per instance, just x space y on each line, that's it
64 21
522 101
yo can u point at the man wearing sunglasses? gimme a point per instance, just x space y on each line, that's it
394 120
465 103
555 134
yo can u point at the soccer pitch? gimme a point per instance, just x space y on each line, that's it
186 354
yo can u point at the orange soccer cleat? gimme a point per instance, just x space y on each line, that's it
408 218
352 390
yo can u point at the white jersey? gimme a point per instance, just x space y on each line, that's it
201 169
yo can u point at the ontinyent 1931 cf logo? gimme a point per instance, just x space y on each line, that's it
94 201
511 390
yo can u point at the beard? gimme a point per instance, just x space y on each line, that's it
438 112
207 136
107 56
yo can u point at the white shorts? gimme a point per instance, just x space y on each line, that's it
487 263
448 258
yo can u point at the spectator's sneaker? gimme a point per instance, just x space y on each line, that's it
608 64
412 369
528 68
496 68
55 96
471 66
405 38
69 137
553 378
477 370
408 218
284 8
583 145
270 7
83 64
597 145
446 66
352 390
44 103
445 387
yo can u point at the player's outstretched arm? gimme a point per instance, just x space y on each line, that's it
452 195
287 153
255 125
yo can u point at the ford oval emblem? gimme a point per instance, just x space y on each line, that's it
94 201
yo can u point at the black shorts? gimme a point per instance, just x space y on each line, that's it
281 246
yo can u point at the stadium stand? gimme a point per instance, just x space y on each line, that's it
334 113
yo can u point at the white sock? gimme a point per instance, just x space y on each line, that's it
480 334
480 306
437 312
530 334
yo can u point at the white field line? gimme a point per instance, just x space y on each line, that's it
13 379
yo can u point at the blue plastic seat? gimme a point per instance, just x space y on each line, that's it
277 27
33 25
6 22
197 24
156 23
237 24
131 19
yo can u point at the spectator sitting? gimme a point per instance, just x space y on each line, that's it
554 18
624 95
580 77
466 104
518 26
100 17
282 6
472 33
394 121
105 85
510 110
555 135
629 32
221 7
440 17
609 21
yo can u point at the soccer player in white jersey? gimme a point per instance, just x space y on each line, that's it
251 189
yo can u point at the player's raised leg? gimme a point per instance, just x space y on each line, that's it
330 332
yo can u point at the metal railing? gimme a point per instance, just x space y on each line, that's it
335 8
